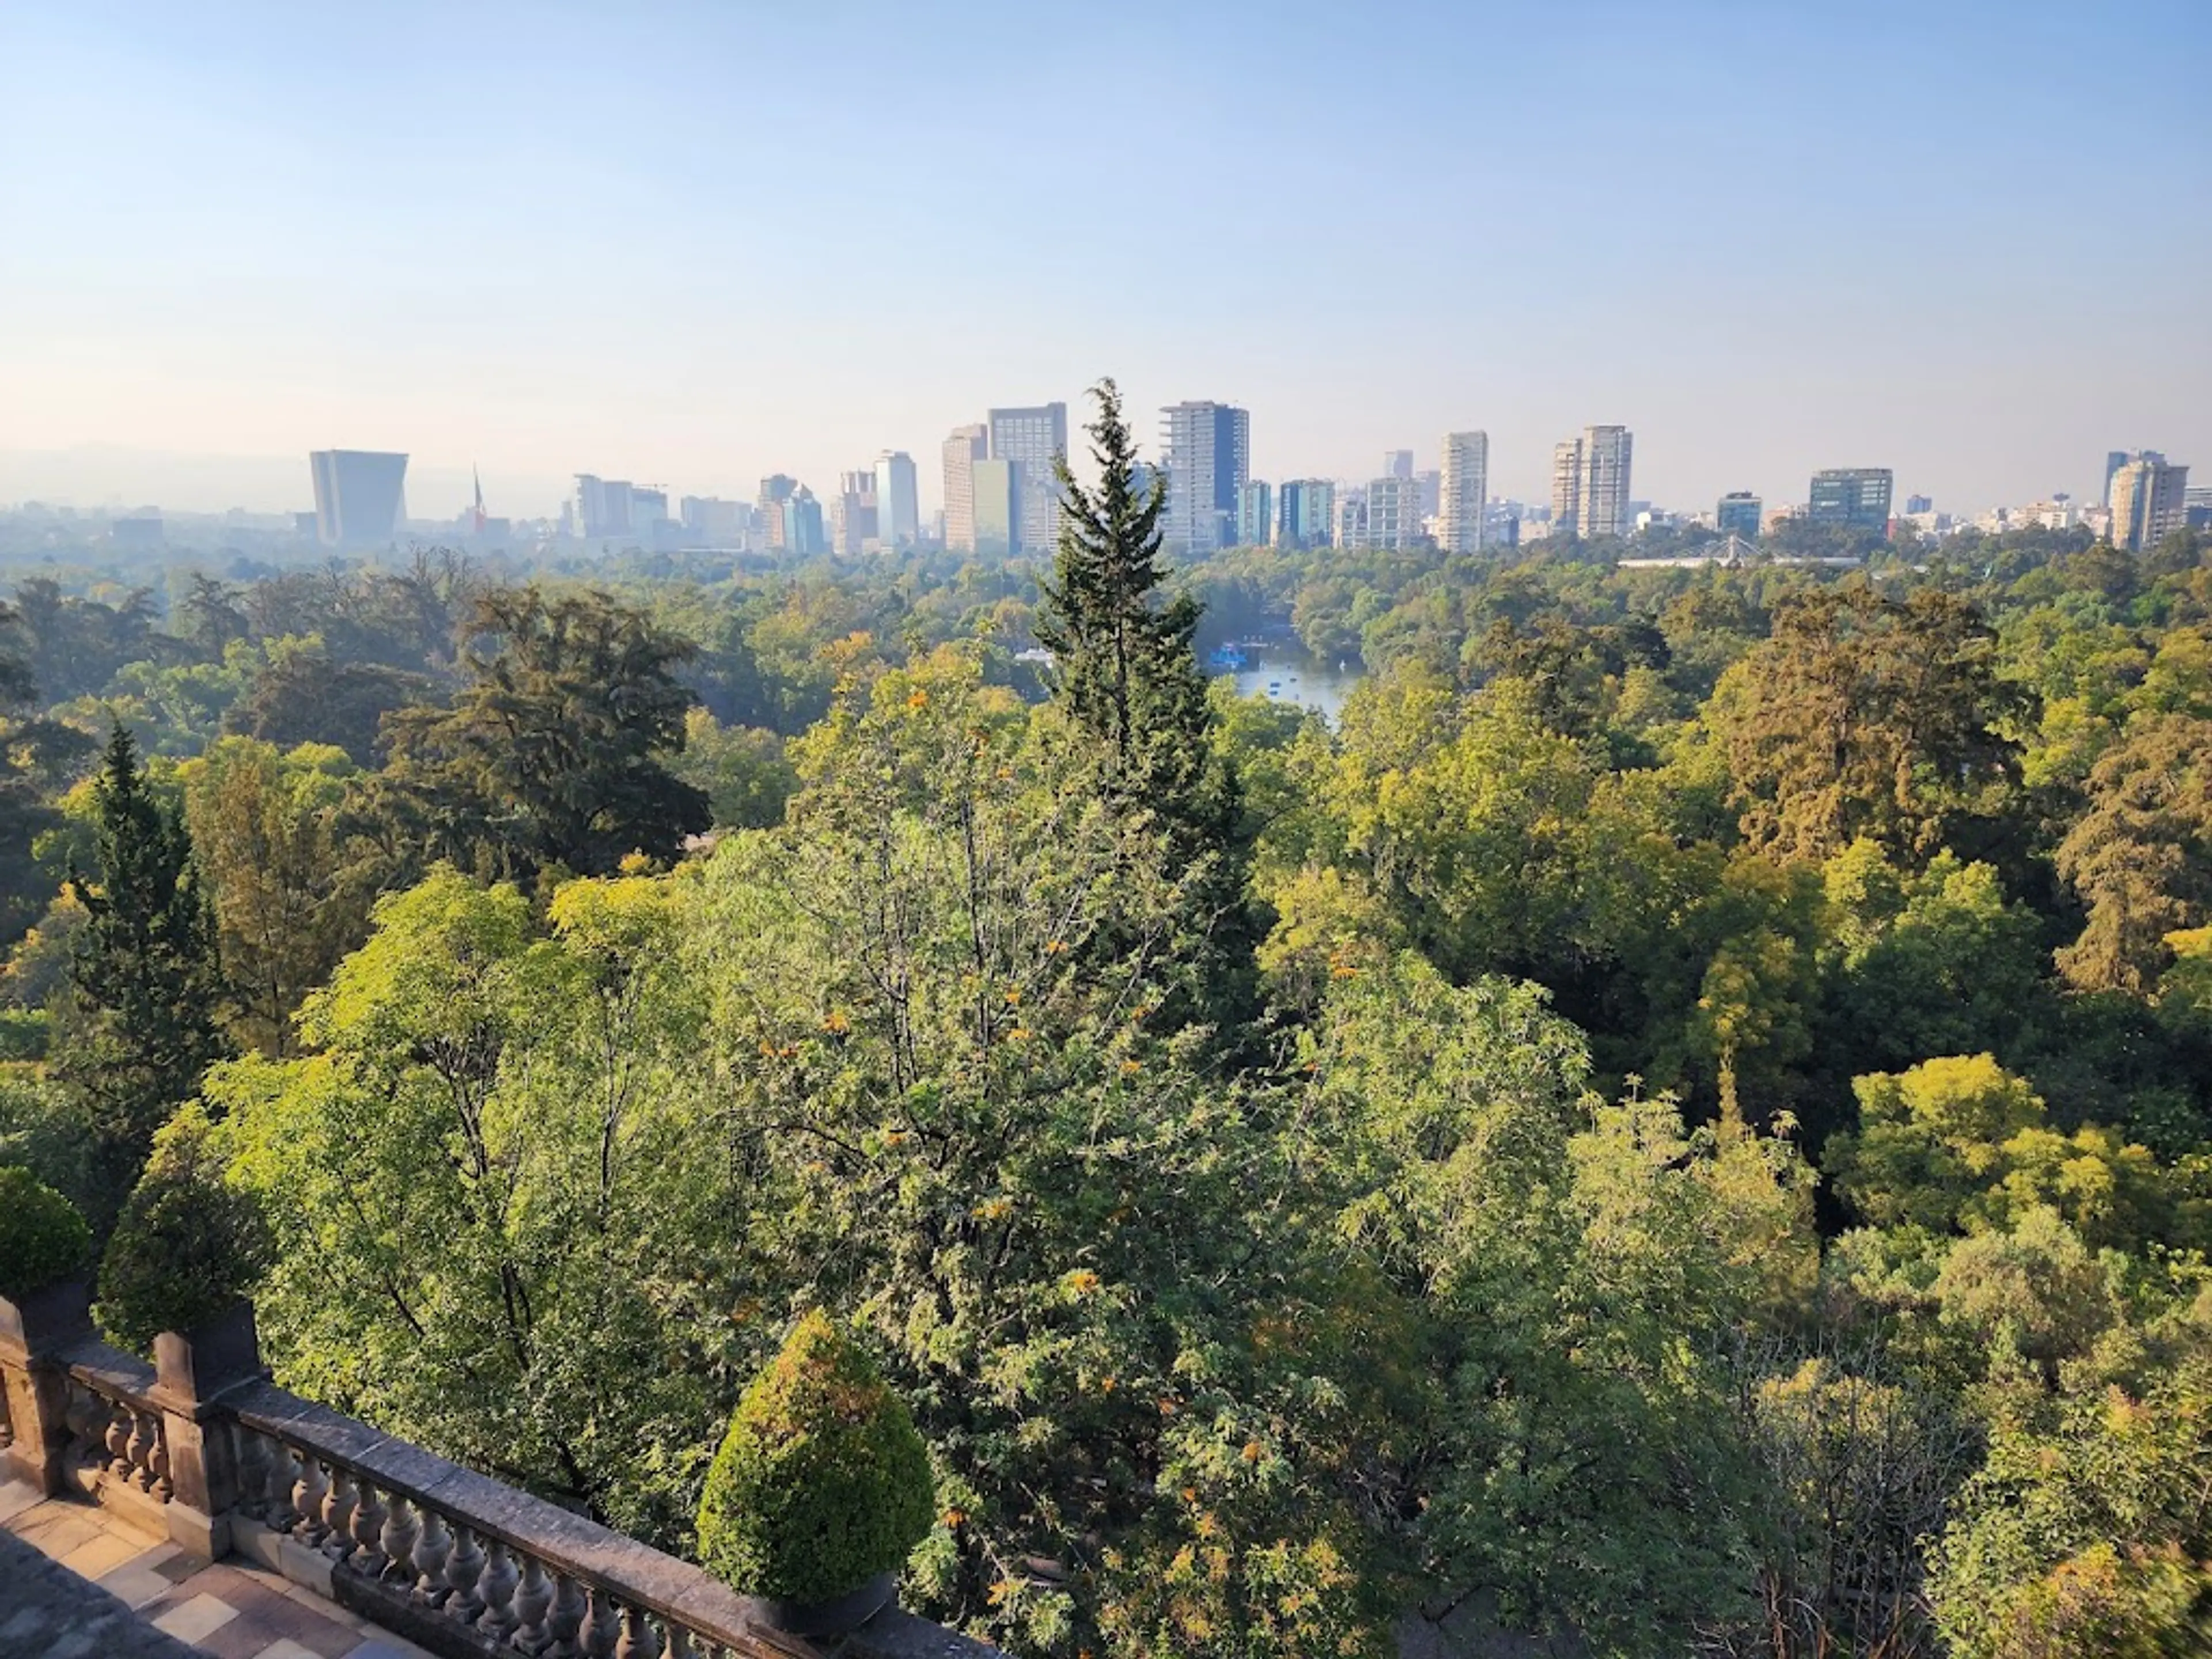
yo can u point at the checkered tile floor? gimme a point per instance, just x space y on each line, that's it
228 1608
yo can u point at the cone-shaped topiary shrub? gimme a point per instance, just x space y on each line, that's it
187 1246
43 1239
822 1482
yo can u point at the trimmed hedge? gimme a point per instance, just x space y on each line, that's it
822 1481
43 1239
188 1245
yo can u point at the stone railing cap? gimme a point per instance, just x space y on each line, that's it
561 1538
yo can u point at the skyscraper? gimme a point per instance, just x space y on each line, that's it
2114 460
802 524
996 483
1738 514
1256 513
898 506
1034 439
852 513
601 507
1397 463
1601 496
2150 502
1305 513
1567 488
1208 450
776 493
1855 495
361 496
1466 490
967 446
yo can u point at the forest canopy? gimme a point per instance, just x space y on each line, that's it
1681 1120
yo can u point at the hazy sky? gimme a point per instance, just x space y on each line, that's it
695 244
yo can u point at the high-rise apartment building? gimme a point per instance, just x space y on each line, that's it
1034 439
1927 503
361 496
1601 496
1256 513
1208 449
715 522
995 484
1855 495
1394 519
601 507
852 513
1351 527
898 504
2114 460
1305 513
2149 502
1464 490
1566 487
1397 463
1738 514
776 491
967 446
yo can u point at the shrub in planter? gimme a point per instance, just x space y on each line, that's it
188 1245
43 1239
822 1483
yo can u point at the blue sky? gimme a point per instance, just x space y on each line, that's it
696 244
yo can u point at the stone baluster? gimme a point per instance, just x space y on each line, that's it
84 1421
602 1627
463 1562
431 1543
277 1509
496 1590
338 1503
396 1541
118 1437
157 1463
138 1449
368 1558
533 1600
307 1494
251 1453
565 1618
639 1638
681 1645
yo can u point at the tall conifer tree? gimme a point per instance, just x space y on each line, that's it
1126 673
146 981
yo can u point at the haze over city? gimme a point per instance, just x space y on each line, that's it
698 245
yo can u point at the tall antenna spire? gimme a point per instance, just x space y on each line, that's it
478 477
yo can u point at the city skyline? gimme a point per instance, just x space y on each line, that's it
1962 332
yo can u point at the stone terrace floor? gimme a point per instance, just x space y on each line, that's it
78 1583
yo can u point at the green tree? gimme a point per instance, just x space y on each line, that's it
552 755
142 1022
1126 675
1863 715
263 829
2140 857
497 1230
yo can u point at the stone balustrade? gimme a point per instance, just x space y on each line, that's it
202 1447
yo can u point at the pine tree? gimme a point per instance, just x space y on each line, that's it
1126 672
146 981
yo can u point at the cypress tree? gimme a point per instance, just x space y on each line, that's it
145 980
1126 671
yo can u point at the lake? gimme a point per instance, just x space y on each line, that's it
1288 673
